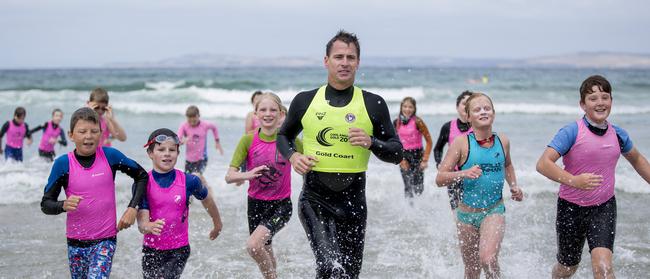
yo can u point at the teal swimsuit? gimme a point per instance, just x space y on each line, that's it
485 191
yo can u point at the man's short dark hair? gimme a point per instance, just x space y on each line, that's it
346 37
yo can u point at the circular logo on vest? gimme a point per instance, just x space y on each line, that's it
320 138
350 117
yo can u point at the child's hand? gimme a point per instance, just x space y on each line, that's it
424 165
517 193
404 164
218 146
71 203
29 141
154 227
473 173
128 218
216 230
108 114
586 181
256 172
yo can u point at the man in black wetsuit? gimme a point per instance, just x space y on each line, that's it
341 125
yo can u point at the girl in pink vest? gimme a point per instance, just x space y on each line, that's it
411 129
87 176
269 176
163 215
586 207
51 131
16 131
451 130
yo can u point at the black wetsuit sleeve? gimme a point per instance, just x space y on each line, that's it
440 144
28 134
292 125
39 127
386 144
63 141
119 161
58 180
5 128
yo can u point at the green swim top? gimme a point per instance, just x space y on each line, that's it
325 133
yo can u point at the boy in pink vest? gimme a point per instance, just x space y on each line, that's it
51 131
17 131
111 129
163 214
194 134
87 175
586 207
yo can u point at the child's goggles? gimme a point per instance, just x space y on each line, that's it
161 139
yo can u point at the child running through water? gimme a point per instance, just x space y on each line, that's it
458 127
269 193
411 129
164 212
586 206
51 131
111 129
17 131
87 175
484 161
194 133
252 122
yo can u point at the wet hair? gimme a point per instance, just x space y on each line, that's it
157 132
476 95
192 111
590 82
20 112
86 114
255 94
462 96
346 37
412 101
56 110
273 97
99 95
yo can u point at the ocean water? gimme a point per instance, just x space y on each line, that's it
403 240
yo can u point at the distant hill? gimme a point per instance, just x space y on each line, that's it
575 60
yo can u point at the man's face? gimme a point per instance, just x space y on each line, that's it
342 64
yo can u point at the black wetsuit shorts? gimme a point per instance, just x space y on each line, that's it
273 215
574 224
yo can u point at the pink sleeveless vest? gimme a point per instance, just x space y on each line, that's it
50 133
95 217
409 135
16 134
592 154
169 204
454 131
274 184
105 132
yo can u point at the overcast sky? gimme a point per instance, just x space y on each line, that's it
80 33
